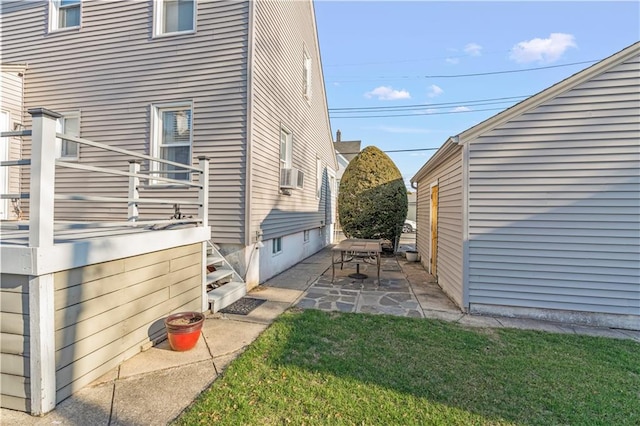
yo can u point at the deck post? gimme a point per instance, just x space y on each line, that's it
42 356
42 179
134 183
203 195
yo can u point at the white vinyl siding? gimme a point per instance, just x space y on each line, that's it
114 89
448 174
282 30
553 202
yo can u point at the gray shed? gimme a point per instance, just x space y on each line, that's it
535 212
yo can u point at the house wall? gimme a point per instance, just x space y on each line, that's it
448 174
11 95
107 312
553 206
282 32
112 69
14 342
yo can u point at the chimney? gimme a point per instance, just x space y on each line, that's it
338 135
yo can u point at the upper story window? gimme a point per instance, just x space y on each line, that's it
64 14
172 137
319 173
174 16
286 148
69 124
306 76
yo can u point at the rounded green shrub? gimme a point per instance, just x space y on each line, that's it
372 200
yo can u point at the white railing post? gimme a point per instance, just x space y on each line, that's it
203 195
134 183
42 179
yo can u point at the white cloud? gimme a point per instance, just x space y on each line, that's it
452 61
473 49
545 50
387 93
461 109
434 91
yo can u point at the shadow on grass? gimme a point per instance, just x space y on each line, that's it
315 367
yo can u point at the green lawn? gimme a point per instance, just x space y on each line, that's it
313 367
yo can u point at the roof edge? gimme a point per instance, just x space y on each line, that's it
436 158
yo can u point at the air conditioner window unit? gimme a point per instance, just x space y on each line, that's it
291 178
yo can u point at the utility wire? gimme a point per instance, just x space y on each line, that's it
440 104
419 114
393 150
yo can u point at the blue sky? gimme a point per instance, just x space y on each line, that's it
381 54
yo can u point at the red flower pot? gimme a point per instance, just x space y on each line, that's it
183 329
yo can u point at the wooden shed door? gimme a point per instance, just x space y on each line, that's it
434 229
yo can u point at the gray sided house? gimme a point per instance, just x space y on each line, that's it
233 90
239 82
535 212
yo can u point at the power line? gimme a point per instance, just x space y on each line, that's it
401 107
481 74
419 114
393 150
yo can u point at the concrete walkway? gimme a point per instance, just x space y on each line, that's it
155 386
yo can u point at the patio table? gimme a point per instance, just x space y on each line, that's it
353 249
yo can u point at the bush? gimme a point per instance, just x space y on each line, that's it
372 200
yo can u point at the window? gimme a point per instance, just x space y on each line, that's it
64 14
276 245
318 178
306 76
306 236
174 16
69 124
286 142
172 137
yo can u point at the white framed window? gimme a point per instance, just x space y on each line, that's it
69 124
319 173
286 148
306 236
172 138
276 245
174 17
306 75
64 14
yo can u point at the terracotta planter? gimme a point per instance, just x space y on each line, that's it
183 329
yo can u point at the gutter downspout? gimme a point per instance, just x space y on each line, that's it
465 222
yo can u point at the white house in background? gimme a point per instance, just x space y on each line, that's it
535 212
239 82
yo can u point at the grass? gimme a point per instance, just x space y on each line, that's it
313 367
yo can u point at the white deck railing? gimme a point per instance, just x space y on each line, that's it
43 164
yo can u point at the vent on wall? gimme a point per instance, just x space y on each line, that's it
291 178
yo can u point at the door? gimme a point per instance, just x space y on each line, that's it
4 171
434 231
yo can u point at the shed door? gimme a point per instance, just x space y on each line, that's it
434 230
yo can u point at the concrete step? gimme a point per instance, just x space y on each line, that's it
222 297
218 274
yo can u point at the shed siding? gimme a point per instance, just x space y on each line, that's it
553 202
449 258
14 342
104 313
283 30
11 96
112 70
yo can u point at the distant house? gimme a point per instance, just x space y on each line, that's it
232 90
345 152
535 212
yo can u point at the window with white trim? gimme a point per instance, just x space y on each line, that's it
64 14
306 75
276 245
172 137
174 16
68 124
306 236
286 148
